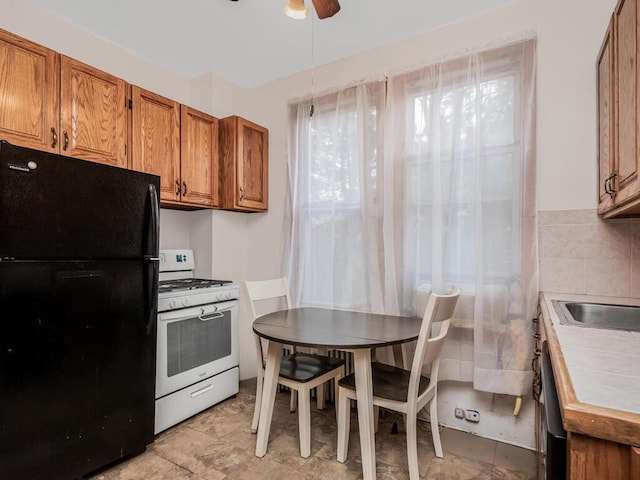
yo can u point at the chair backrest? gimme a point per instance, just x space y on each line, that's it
428 349
267 290
262 291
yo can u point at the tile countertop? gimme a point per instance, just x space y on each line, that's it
598 372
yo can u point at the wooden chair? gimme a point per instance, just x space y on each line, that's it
300 372
405 391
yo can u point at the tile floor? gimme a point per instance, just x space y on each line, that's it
217 444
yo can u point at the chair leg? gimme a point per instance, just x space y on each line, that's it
344 424
320 396
376 412
435 432
336 398
412 445
256 408
292 401
304 422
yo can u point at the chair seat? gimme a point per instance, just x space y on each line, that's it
304 367
389 382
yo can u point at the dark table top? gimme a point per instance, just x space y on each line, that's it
321 327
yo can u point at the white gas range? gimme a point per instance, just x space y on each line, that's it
197 355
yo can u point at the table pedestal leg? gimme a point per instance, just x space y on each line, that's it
364 398
269 387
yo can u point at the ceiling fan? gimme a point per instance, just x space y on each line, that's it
324 8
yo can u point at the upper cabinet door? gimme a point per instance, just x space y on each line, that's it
253 165
199 158
244 152
28 93
606 142
93 114
156 140
626 63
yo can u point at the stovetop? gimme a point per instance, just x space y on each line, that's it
181 284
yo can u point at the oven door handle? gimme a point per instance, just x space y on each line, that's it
210 316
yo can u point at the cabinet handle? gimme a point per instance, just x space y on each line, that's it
184 189
536 336
606 186
612 191
177 188
54 141
66 140
241 193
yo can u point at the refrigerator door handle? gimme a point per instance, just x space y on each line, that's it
155 220
153 259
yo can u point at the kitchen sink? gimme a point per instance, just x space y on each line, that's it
598 315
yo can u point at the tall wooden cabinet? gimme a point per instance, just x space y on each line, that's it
156 140
618 71
57 104
244 156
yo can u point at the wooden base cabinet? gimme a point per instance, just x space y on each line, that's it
57 104
596 459
244 157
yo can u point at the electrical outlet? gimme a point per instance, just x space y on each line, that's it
472 416
459 413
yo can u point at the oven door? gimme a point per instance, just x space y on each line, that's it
195 344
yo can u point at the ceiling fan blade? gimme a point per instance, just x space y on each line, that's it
326 8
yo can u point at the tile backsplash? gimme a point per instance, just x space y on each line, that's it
581 253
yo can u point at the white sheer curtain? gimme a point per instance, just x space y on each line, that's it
425 186
336 218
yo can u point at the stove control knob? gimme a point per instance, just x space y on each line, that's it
173 303
185 302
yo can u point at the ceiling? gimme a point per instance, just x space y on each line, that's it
252 42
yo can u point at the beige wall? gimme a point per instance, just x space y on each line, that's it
580 253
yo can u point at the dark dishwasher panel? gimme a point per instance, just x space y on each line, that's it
555 436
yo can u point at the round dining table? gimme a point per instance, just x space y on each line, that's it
355 332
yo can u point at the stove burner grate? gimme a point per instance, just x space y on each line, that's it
189 284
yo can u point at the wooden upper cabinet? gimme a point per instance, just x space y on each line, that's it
93 114
626 72
244 154
619 115
199 167
606 143
54 103
28 93
156 140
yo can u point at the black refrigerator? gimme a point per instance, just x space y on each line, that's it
78 301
